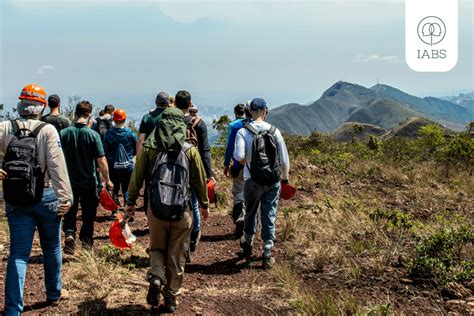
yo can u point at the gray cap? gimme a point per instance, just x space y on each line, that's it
162 99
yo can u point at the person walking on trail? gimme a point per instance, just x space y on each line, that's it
54 117
242 117
105 121
196 134
83 151
120 147
35 200
151 119
261 148
172 168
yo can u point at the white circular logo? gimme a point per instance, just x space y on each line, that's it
431 30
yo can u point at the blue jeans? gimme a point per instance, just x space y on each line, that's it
23 222
196 213
267 197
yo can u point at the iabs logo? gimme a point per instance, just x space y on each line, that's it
431 35
431 31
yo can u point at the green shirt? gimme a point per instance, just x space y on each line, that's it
81 146
150 121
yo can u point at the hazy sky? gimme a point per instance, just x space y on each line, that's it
285 51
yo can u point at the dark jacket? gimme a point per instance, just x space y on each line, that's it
203 146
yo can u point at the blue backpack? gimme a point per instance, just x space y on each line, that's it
121 160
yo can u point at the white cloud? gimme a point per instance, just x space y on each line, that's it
389 59
44 69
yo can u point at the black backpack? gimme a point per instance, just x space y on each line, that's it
24 184
265 165
103 125
170 185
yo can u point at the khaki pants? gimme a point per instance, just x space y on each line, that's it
168 244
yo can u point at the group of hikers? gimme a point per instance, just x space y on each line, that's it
50 166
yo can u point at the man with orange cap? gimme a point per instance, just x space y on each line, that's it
34 200
120 144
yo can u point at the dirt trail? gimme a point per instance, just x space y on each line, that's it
215 281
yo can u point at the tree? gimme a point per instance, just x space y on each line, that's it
221 125
72 101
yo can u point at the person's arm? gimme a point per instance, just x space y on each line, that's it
57 168
107 144
102 161
141 141
134 140
139 175
198 180
229 150
284 157
141 134
205 149
104 171
239 148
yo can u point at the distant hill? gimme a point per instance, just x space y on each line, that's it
380 105
385 113
437 109
465 100
356 131
327 113
409 128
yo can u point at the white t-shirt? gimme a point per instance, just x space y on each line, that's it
50 155
244 143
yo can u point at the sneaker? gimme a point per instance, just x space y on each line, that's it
195 238
153 295
246 249
69 244
268 263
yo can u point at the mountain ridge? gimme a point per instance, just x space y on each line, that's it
381 105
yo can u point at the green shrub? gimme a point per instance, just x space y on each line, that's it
440 257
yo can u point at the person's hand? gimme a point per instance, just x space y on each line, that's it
204 213
109 184
213 179
227 171
63 208
3 175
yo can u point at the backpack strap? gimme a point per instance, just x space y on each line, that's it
272 130
15 126
38 129
196 122
251 128
186 146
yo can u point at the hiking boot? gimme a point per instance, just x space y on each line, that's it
195 237
239 226
69 244
153 295
246 249
268 263
170 305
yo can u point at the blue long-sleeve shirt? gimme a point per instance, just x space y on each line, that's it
232 130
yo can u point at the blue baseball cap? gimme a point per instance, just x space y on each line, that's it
258 104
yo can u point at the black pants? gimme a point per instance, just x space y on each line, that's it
120 179
89 201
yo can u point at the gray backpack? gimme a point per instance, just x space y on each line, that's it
170 194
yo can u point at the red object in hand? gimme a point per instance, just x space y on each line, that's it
211 193
118 233
108 200
287 191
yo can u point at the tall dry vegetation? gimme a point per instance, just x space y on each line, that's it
390 212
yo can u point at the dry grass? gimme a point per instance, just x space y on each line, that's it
91 278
